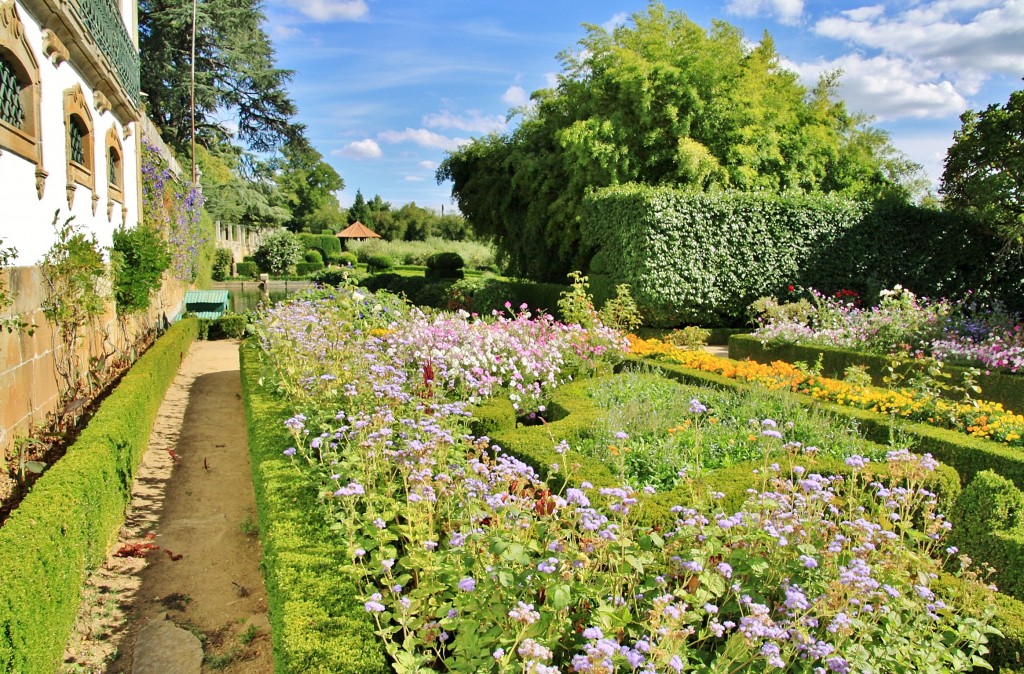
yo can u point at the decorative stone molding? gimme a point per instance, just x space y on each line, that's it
95 202
76 113
54 49
110 208
41 175
70 189
23 139
101 101
126 131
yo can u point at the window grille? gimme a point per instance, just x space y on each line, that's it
11 110
75 137
112 161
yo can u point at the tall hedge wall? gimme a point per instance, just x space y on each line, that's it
71 518
704 257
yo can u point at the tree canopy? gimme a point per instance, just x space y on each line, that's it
235 73
984 170
661 101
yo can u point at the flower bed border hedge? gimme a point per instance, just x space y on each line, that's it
71 518
997 387
318 626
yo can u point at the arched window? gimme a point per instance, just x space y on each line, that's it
115 170
79 142
19 93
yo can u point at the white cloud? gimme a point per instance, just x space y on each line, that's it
786 11
424 138
966 40
332 10
614 22
281 32
360 149
473 121
888 87
414 179
515 95
428 165
864 13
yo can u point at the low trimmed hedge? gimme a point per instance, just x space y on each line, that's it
247 270
1007 389
571 413
318 625
68 522
990 528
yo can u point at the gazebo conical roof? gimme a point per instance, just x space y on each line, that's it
357 230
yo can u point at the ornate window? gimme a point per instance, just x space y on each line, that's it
19 93
79 137
115 170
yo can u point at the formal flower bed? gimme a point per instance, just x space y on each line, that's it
978 418
471 563
901 323
658 432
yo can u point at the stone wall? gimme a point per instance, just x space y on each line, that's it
29 383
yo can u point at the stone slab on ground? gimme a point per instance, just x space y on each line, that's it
164 648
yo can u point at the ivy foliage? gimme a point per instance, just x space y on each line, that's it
661 100
138 260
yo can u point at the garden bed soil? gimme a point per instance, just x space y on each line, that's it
188 552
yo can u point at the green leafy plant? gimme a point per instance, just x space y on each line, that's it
378 263
221 264
279 252
690 338
576 305
72 270
620 312
138 261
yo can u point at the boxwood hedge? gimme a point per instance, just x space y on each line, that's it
68 522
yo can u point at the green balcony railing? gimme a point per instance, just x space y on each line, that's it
103 21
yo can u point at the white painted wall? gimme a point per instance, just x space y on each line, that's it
25 220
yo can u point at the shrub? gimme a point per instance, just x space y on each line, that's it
279 252
308 268
379 263
446 260
221 264
432 294
313 256
232 326
348 259
690 337
330 277
326 244
702 258
139 258
247 269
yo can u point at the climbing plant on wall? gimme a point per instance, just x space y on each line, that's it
175 208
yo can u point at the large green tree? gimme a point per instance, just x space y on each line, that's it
235 69
308 184
984 170
661 100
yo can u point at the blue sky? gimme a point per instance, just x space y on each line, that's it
387 86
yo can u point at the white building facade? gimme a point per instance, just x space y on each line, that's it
69 120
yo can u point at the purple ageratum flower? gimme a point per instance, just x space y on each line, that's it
467 584
771 433
374 605
289 452
769 423
593 633
524 613
621 435
856 461
696 407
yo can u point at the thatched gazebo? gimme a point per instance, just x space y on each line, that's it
357 231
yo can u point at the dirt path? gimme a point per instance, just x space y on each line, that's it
189 551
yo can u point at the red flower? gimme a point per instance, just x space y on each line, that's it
791 288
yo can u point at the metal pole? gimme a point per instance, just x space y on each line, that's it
192 91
